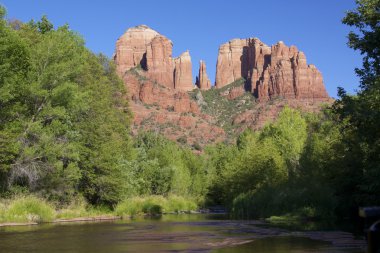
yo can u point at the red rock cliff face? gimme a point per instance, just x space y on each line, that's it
271 71
203 82
142 46
159 62
183 72
157 86
132 46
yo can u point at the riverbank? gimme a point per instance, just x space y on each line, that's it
78 219
31 210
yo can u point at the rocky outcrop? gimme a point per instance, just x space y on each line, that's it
146 91
230 62
183 76
144 47
158 86
202 80
168 111
277 71
159 62
131 48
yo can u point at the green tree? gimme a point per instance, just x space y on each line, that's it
14 69
359 115
64 121
44 25
289 135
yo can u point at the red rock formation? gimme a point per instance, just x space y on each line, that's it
168 111
203 82
276 71
131 47
159 62
143 46
158 89
142 90
183 79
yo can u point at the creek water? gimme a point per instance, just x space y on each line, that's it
173 233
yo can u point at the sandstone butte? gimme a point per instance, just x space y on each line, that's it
276 71
159 85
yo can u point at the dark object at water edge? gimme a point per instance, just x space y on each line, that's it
372 216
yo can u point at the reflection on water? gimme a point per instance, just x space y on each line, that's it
172 233
286 244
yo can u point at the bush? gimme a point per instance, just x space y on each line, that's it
178 204
153 205
29 208
129 207
182 140
77 208
196 146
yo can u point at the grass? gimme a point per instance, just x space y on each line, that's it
153 205
80 208
28 209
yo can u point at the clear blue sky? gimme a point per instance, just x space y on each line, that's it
201 26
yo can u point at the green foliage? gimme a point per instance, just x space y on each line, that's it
3 12
44 25
64 126
366 19
289 134
223 109
358 160
164 168
182 140
27 209
64 133
153 205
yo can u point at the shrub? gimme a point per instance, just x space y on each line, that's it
29 208
178 203
182 140
77 208
153 205
197 146
130 207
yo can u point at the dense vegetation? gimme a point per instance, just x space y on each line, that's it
213 103
65 145
64 125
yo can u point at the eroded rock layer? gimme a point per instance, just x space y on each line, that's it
202 80
270 71
256 81
183 72
143 47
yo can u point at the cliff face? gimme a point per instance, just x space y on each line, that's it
132 46
249 73
277 71
142 46
159 62
203 83
183 72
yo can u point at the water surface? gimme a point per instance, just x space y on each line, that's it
172 233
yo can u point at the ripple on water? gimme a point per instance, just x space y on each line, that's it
177 233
